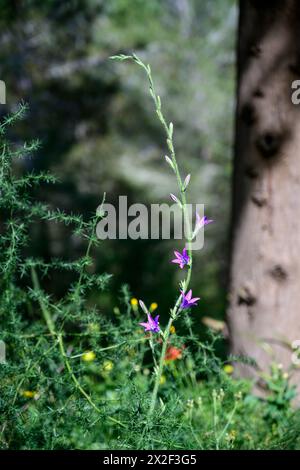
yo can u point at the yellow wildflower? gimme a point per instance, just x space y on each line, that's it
228 369
108 366
172 329
28 393
134 304
162 380
88 356
153 306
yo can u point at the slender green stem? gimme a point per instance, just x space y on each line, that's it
45 312
215 417
113 346
220 437
176 310
152 349
160 368
87 253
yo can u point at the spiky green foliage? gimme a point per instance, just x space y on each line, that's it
76 379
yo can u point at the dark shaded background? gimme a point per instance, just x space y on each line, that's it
99 131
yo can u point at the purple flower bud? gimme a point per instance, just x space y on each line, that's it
169 161
143 306
186 182
175 199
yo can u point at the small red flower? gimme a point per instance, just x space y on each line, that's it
173 353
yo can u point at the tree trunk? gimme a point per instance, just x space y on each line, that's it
264 313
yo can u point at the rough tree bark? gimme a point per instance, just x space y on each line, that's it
264 312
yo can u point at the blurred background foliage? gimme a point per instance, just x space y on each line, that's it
98 131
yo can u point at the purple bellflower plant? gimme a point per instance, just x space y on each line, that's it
187 300
202 222
181 258
152 324
184 300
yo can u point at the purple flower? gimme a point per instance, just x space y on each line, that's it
152 324
187 300
201 222
181 259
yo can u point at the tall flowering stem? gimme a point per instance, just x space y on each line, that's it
182 202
